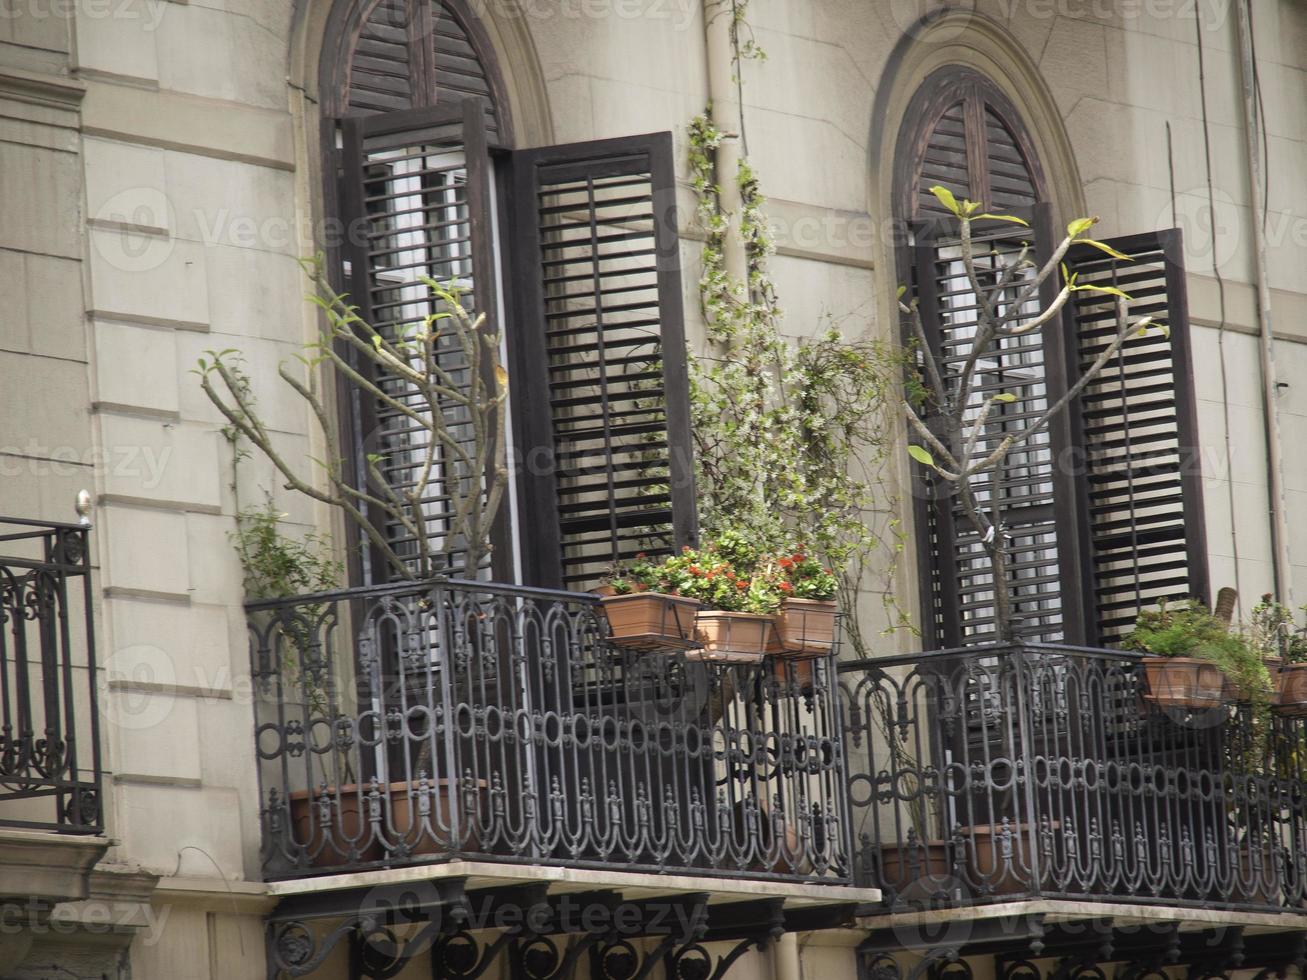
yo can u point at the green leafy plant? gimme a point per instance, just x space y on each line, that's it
274 565
1189 629
1274 633
728 575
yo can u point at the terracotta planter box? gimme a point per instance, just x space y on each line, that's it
1185 682
651 620
985 864
919 883
399 818
1259 890
406 818
795 669
806 626
1291 689
330 845
733 637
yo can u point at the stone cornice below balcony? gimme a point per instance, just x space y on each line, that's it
47 867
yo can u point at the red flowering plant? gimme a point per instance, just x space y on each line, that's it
720 583
725 575
798 575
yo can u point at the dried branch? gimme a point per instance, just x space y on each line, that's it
439 406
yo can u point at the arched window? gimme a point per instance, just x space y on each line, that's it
1102 510
572 250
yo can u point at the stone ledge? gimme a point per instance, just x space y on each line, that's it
41 88
48 867
1122 913
635 885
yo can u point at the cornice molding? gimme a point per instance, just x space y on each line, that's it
41 88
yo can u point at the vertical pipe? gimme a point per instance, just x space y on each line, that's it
785 958
1270 388
727 116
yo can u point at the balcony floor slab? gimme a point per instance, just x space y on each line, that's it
1122 914
633 885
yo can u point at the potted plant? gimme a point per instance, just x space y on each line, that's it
644 608
471 473
737 621
1194 660
1282 643
805 624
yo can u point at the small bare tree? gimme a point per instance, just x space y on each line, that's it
960 447
457 412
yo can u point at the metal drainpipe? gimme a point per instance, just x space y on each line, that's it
727 116
785 958
1270 387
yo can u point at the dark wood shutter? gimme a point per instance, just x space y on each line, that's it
1044 553
417 199
599 332
1138 432
962 133
411 54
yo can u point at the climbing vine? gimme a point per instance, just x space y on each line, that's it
793 441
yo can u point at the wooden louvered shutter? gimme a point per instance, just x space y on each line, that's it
963 134
600 360
410 54
1138 432
1044 553
417 199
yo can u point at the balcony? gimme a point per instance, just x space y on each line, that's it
50 770
451 720
1003 773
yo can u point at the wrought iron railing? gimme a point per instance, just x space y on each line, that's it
996 773
49 725
450 719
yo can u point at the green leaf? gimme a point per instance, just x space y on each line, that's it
920 454
946 198
1011 218
1110 290
1101 246
1081 225
1005 396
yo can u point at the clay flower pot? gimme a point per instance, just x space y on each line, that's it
651 620
328 844
400 821
1185 682
986 865
917 872
734 637
806 626
1291 688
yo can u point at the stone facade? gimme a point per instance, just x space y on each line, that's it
160 171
